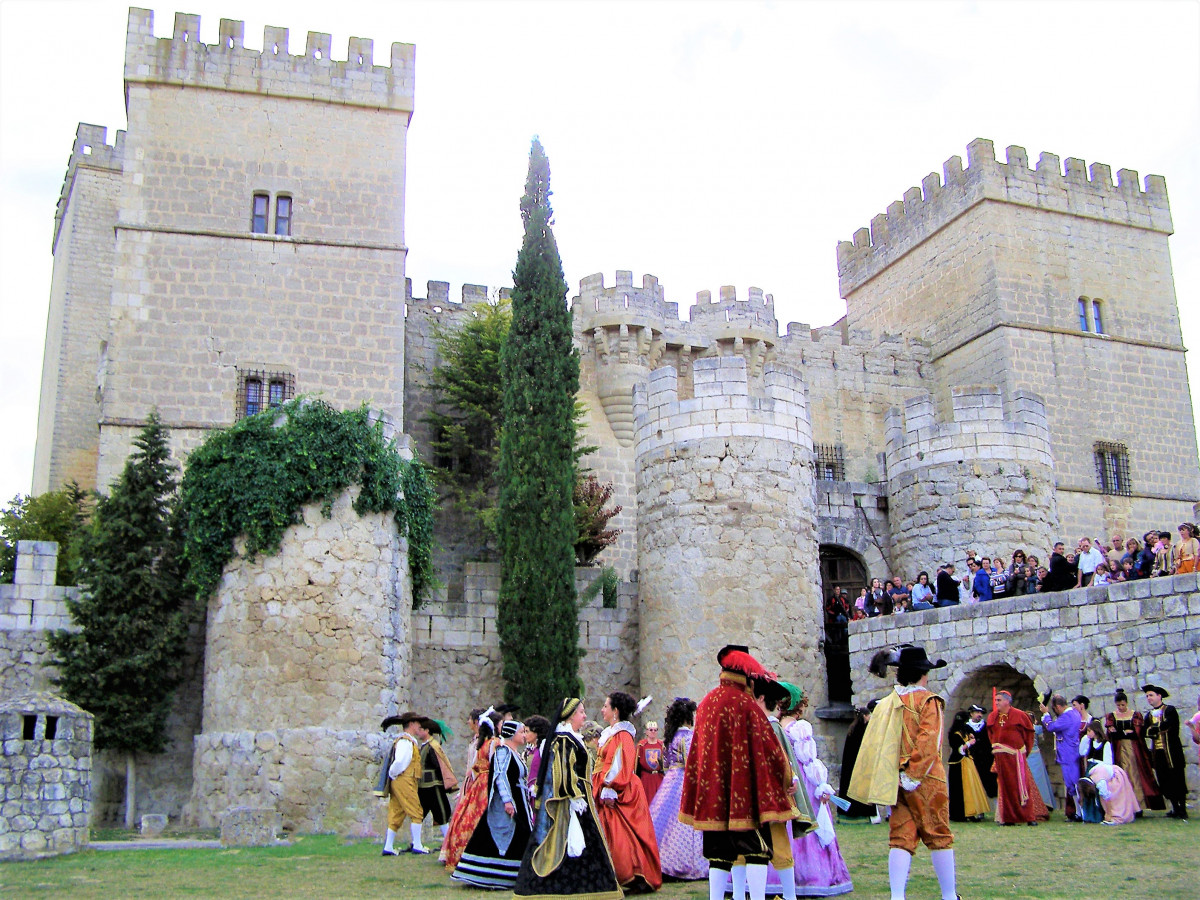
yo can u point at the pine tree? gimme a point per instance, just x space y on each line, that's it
123 663
537 615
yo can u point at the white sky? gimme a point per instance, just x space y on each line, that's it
705 143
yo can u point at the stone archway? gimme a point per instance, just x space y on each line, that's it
976 687
840 568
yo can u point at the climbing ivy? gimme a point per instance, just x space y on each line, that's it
252 479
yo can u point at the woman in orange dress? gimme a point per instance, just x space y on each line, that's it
1187 549
473 799
623 812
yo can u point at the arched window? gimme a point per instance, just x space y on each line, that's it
1097 318
1083 314
259 211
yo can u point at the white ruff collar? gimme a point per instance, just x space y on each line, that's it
565 728
613 729
976 726
903 689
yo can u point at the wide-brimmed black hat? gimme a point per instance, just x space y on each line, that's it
915 658
1161 691
402 721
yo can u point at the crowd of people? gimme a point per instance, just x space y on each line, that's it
734 792
984 578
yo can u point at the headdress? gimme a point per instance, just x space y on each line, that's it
642 704
976 708
402 721
652 725
569 705
509 728
743 662
485 718
795 693
904 656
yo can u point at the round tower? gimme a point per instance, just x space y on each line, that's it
983 481
727 548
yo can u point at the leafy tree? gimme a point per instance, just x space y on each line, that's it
537 616
591 519
122 665
58 516
466 422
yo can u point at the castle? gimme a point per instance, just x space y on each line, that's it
243 243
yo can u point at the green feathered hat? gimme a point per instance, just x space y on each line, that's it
795 694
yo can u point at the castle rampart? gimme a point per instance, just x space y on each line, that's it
89 151
989 471
929 208
726 524
229 65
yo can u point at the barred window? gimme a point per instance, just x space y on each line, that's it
1112 469
831 462
259 390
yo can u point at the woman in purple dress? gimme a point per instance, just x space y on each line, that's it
820 869
680 847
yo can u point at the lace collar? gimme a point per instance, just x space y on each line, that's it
614 728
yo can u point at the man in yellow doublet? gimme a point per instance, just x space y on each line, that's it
404 777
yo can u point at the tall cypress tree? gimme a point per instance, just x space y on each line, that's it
124 661
538 613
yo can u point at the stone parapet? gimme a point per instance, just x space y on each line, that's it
33 602
228 65
89 151
927 209
597 305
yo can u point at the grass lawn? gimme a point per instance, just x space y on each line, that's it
1156 859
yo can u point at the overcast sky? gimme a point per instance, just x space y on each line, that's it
704 143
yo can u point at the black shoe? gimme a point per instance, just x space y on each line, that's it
389 853
1031 824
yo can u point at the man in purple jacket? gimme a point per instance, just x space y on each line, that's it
1064 724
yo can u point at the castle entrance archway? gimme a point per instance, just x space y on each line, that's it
976 687
840 568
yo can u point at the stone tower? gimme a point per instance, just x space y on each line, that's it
1033 279
245 243
726 537
983 481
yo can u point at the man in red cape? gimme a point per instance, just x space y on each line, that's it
1011 733
737 779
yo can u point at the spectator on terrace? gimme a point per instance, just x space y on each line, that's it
1145 559
1019 562
1016 581
999 578
922 593
1132 549
1128 572
877 600
1042 574
981 582
897 592
1062 575
1117 552
860 605
837 610
1186 551
1032 581
1162 555
1089 558
947 586
1101 575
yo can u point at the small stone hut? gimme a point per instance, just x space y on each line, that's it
45 776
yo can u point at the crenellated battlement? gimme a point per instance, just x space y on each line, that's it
1088 192
89 150
726 402
757 311
228 65
597 305
983 426
437 301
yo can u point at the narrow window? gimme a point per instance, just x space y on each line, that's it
276 393
51 727
1112 469
253 392
28 725
283 214
1083 314
259 213
1097 319
831 462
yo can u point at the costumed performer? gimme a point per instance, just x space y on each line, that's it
968 799
1162 731
1065 723
862 715
438 781
1037 768
400 778
650 768
493 855
473 801
680 846
982 751
1093 748
621 800
1115 792
736 778
820 870
540 726
900 763
566 855
770 694
1125 729
1018 798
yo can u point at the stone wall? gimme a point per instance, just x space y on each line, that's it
1088 641
307 650
727 526
456 652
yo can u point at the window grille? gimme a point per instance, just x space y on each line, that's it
259 390
831 462
1112 469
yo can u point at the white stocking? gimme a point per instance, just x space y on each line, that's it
390 841
756 881
717 879
943 868
737 875
445 829
787 878
415 828
899 862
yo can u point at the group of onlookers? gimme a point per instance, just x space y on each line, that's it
1091 562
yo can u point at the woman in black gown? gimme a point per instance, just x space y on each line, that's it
849 755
